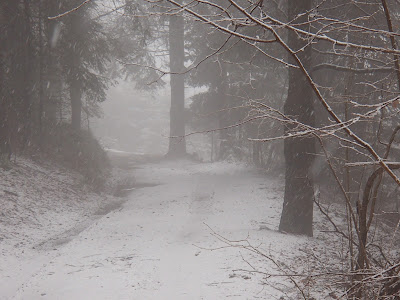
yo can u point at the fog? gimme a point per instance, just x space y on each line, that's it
134 121
138 121
219 149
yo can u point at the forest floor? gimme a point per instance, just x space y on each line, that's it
186 232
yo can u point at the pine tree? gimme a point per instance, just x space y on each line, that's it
85 52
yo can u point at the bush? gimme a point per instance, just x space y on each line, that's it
80 151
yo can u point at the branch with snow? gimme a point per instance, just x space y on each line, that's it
69 11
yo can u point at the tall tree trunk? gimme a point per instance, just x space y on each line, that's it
28 81
297 213
177 146
10 68
2 73
41 72
3 142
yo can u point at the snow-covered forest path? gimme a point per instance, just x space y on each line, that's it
154 245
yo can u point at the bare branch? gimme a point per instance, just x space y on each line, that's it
69 11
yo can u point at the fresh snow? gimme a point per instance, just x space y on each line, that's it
165 242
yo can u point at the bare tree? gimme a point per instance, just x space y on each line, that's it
349 38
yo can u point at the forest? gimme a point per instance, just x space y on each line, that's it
301 94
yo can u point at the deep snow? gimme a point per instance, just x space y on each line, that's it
162 243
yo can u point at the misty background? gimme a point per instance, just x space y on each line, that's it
284 117
138 121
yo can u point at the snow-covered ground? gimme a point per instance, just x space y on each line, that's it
165 242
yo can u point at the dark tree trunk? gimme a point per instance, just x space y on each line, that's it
10 70
177 146
41 73
28 81
297 213
3 108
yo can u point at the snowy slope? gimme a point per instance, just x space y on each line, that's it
42 207
166 242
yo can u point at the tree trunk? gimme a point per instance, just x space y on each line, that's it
9 71
3 108
297 213
177 144
28 81
223 113
41 73
3 142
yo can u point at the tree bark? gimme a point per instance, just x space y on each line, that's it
41 73
3 142
28 80
177 144
9 71
3 108
297 213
